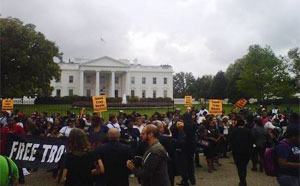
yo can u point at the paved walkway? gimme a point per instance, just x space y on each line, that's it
226 175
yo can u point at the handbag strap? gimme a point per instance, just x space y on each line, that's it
9 171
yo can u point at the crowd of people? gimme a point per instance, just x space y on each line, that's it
157 148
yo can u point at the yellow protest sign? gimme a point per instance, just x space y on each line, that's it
188 100
7 104
99 103
216 106
240 103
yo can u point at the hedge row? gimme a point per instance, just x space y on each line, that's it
82 99
129 104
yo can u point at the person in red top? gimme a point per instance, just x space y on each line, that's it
13 128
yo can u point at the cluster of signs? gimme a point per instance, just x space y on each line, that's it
215 105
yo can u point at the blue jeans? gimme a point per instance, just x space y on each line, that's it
286 180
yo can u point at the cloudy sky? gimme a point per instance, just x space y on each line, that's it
198 36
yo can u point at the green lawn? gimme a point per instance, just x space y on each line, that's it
28 109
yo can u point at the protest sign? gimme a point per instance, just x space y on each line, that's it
42 152
216 106
240 103
188 100
7 104
35 151
99 103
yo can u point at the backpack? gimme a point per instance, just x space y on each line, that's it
270 160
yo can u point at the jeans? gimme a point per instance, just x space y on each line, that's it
286 180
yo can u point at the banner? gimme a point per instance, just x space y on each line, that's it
7 104
99 103
215 106
240 103
188 100
35 151
42 152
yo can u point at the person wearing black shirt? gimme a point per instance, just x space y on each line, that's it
79 163
114 156
242 147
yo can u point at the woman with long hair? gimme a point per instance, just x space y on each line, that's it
79 163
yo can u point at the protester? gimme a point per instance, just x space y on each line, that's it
11 128
288 156
242 148
154 169
261 141
79 164
114 156
9 173
65 131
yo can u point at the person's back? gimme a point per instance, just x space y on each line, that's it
160 171
241 141
8 172
79 169
260 136
114 156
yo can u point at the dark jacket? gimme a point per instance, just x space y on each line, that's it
241 141
260 136
114 156
154 170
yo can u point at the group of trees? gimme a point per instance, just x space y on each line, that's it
259 74
27 67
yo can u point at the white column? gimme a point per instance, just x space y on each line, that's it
97 90
127 84
81 81
112 86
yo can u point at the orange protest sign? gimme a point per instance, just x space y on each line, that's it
241 103
188 100
216 106
99 103
7 104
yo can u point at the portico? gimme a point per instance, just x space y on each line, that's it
99 82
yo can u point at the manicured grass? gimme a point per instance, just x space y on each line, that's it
62 108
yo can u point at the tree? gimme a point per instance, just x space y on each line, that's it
264 75
294 58
182 84
27 65
219 86
232 75
201 88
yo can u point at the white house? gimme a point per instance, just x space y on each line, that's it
113 78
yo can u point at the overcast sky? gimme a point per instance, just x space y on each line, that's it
198 36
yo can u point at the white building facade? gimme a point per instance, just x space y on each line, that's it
113 78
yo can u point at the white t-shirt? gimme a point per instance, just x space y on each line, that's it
65 131
114 126
140 128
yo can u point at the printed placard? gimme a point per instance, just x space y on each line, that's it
7 104
241 103
188 100
99 103
216 106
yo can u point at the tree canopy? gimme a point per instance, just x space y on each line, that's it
264 75
27 60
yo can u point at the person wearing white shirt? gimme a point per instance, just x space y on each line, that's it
113 123
65 131
139 124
